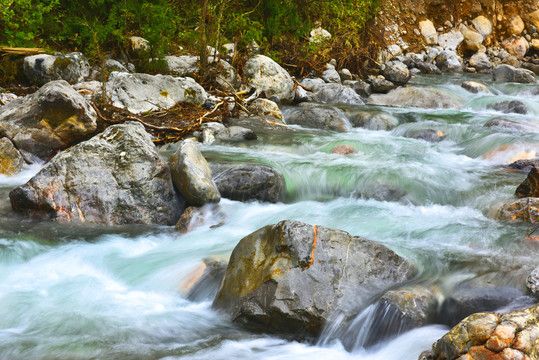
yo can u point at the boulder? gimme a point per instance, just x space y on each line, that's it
265 107
427 68
492 336
475 87
515 25
521 210
421 97
53 118
373 120
510 106
381 86
345 75
203 283
244 182
335 94
524 165
429 135
483 26
318 117
532 282
259 123
116 177
185 65
428 31
194 217
507 73
361 88
512 124
40 69
516 46
469 300
416 306
451 40
448 61
140 93
331 76
319 35
269 77
192 175
396 72
290 278
530 186
534 18
216 131
480 61
11 160
114 65
472 39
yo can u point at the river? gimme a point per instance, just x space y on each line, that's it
86 292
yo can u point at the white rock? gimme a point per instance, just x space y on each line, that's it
428 31
319 35
450 40
267 76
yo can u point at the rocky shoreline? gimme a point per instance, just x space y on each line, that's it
289 278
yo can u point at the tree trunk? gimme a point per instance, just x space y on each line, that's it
202 41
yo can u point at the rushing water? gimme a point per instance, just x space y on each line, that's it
84 292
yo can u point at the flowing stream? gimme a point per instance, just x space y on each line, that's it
86 292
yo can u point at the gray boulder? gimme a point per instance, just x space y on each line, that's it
140 93
117 177
512 106
361 88
532 282
480 62
192 175
290 278
430 98
381 86
448 61
206 285
335 94
213 131
331 76
244 182
427 68
373 120
450 40
269 77
318 117
11 160
40 69
53 118
508 73
396 72
512 124
185 65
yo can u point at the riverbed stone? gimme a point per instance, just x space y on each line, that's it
331 76
52 118
515 25
266 76
510 106
361 87
480 61
507 73
140 93
430 98
203 283
513 124
381 86
427 68
521 210
532 282
192 175
448 61
117 177
194 217
396 72
530 186
318 117
483 26
11 160
416 305
472 39
214 131
428 31
335 94
40 69
185 65
475 87
511 336
516 46
290 278
430 135
451 40
373 120
265 107
245 182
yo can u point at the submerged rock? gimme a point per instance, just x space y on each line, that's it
524 165
474 87
244 182
373 120
117 177
430 135
448 61
194 217
53 118
335 94
192 175
513 106
381 86
140 93
203 283
429 98
11 160
492 336
396 72
344 149
290 277
214 131
512 124
265 107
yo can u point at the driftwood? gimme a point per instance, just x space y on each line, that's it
21 51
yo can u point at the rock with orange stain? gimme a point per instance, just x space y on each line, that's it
204 281
194 217
290 278
11 160
521 210
511 153
53 118
116 177
530 186
511 336
343 149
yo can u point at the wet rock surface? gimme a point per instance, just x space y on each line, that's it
11 160
117 177
289 277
